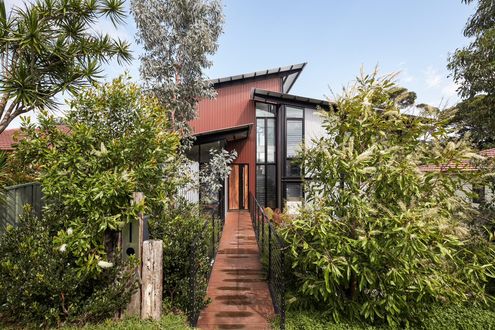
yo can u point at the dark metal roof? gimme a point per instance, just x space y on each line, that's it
288 73
267 96
229 134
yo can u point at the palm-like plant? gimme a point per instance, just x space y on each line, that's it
48 47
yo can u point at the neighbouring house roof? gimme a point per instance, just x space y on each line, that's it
269 96
228 134
7 139
288 73
11 136
465 165
490 153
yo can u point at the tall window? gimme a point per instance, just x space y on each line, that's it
294 134
266 183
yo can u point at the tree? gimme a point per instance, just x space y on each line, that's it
178 36
473 68
378 237
213 174
476 116
48 47
403 97
118 142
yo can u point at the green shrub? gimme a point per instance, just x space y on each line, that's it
437 317
447 317
312 320
40 284
167 322
180 228
116 142
379 238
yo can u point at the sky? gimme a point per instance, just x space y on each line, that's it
336 38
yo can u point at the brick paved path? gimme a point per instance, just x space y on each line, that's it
237 286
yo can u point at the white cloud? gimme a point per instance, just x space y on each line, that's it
406 77
450 90
432 77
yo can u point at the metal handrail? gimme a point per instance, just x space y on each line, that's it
275 251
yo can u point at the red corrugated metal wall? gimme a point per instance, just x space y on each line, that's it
233 107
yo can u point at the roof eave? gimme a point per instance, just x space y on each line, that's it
270 96
285 71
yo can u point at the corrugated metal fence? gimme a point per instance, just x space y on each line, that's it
16 197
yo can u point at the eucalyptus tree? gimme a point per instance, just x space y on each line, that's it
473 68
50 46
177 37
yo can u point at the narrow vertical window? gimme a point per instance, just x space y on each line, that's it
266 150
260 183
294 137
270 140
260 140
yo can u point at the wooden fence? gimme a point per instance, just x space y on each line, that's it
16 197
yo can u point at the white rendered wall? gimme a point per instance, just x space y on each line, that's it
313 128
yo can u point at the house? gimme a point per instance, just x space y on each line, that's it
7 139
479 193
255 115
10 137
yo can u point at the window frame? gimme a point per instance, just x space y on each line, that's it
266 163
286 179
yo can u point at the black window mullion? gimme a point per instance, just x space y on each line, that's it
265 160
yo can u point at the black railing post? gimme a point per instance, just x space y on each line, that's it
260 224
276 257
212 236
282 288
257 223
263 218
269 252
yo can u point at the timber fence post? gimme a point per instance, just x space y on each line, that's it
134 306
152 280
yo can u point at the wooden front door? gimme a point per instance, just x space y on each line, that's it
238 187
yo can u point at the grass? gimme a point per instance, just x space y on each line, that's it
436 318
169 321
302 320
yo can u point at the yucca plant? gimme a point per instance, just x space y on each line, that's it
48 47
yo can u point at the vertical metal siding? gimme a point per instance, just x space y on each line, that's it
233 107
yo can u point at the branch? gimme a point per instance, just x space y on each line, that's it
3 102
14 110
